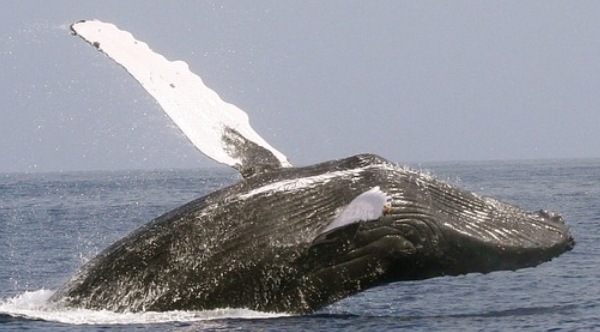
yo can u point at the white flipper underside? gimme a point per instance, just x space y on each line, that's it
366 206
210 123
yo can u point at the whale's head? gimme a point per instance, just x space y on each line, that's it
384 236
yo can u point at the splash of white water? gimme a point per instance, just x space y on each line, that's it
34 305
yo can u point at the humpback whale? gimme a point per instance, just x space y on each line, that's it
292 239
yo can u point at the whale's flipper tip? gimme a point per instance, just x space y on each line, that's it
211 124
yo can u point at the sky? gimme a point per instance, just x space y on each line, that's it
412 81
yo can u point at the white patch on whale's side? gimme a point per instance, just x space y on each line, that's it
312 181
366 206
195 108
301 183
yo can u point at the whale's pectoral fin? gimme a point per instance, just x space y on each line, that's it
211 124
370 205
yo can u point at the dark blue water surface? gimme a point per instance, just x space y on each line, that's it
50 224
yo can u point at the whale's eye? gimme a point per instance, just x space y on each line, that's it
370 205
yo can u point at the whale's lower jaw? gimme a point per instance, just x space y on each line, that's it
372 254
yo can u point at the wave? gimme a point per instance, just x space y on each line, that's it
33 305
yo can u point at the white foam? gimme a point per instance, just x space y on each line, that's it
34 305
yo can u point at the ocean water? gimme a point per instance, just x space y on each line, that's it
50 224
